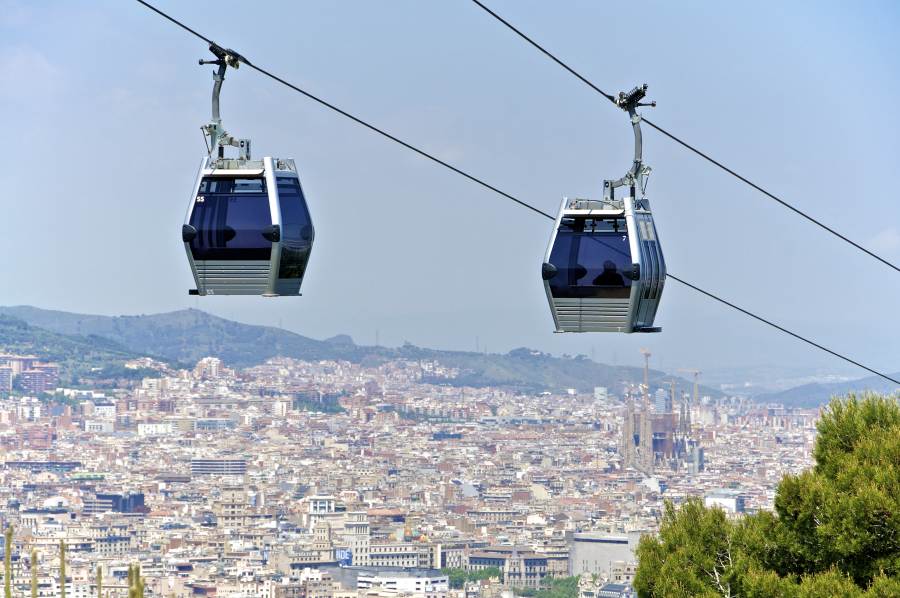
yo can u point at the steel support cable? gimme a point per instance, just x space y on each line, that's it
685 144
503 193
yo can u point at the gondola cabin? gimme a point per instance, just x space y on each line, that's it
604 270
248 230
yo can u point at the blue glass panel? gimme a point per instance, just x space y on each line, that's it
296 229
231 215
592 258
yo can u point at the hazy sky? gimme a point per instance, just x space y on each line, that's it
101 106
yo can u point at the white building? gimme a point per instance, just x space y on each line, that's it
596 553
208 368
730 501
437 586
98 426
154 428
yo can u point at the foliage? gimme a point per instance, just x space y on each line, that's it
326 405
459 577
7 562
62 569
79 357
835 530
558 587
34 574
117 371
136 582
57 398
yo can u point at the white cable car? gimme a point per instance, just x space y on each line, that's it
248 230
604 269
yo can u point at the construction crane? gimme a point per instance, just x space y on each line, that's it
696 374
646 353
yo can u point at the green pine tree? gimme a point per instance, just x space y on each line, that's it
135 581
34 574
62 569
7 562
140 581
835 530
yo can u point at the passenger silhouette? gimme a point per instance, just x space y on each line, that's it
609 277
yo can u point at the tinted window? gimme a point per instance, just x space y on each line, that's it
232 185
231 215
296 229
592 258
295 221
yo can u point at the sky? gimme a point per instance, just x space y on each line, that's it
102 105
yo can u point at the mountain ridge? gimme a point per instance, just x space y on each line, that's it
185 336
79 357
818 393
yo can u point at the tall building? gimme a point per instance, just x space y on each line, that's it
637 436
651 439
208 368
662 401
231 507
356 537
18 363
6 378
41 377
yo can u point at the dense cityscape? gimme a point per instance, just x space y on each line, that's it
332 479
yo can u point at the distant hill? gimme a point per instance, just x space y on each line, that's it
79 357
188 335
815 394
185 336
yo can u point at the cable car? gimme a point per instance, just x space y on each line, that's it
604 270
247 230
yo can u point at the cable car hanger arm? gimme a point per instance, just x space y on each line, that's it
637 175
218 136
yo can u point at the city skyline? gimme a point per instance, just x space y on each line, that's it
379 481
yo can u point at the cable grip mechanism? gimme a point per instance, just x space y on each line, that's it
218 136
637 175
